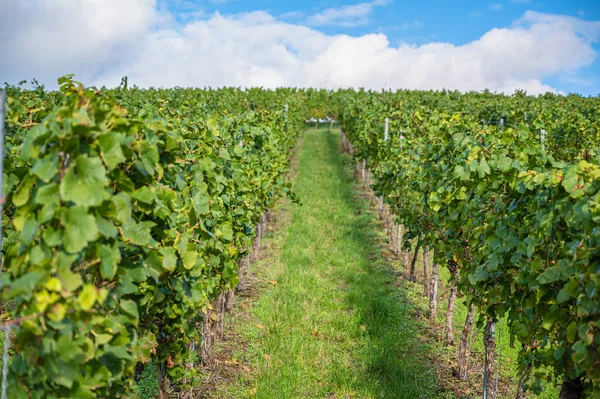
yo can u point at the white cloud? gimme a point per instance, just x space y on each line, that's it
45 39
496 7
348 15
103 40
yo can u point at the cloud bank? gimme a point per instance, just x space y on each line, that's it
102 40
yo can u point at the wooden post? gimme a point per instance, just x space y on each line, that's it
449 329
489 342
433 292
427 284
463 354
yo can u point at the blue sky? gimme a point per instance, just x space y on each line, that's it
421 22
272 43
416 22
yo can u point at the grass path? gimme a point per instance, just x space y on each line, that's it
331 324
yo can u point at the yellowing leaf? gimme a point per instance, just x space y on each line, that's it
87 297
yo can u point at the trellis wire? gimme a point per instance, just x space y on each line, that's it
6 327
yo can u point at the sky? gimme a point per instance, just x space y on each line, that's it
499 45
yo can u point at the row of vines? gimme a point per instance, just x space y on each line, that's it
505 192
127 214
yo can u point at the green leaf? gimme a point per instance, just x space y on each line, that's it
69 280
45 169
563 295
539 178
169 261
483 168
504 163
47 194
68 373
122 208
74 189
33 142
112 153
226 231
30 227
80 228
138 233
570 182
149 156
24 284
110 258
90 169
52 237
523 132
67 349
130 309
144 195
106 228
480 274
190 257
550 275
23 192
461 173
201 204
84 183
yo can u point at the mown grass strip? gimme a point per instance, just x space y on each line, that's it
332 324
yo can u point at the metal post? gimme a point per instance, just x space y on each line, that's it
363 167
6 327
387 129
2 113
5 361
501 124
401 138
543 134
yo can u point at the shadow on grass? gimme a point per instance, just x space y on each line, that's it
393 347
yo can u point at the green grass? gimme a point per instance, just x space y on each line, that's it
148 384
335 325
